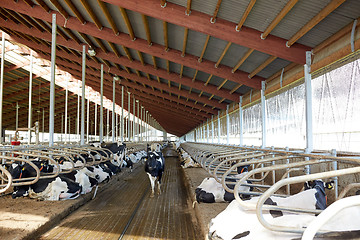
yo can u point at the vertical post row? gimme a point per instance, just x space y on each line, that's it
52 82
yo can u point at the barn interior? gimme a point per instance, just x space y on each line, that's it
232 81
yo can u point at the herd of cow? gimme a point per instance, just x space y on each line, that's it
71 184
240 222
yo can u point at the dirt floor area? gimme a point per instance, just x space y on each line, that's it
204 212
24 218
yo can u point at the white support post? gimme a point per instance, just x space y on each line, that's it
134 130
241 123
17 116
107 125
78 115
66 107
117 126
62 127
122 114
101 127
147 126
308 106
227 125
43 126
141 124
208 132
113 113
263 115
219 127
212 129
30 97
52 82
2 83
95 124
83 76
128 132
138 121
88 121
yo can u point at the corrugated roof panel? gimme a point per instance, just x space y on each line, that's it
201 76
188 72
229 85
156 30
233 10
233 55
175 68
118 19
207 7
195 43
273 67
333 23
161 63
253 61
263 13
137 24
147 59
175 36
215 80
300 14
214 49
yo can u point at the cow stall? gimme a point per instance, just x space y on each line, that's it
276 174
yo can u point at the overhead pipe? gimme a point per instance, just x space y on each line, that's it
52 82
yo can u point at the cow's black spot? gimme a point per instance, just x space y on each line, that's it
274 213
240 235
202 196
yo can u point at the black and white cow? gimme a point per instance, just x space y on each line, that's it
85 181
58 188
210 190
118 150
235 222
154 167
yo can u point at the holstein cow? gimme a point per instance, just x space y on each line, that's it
235 222
154 167
86 182
118 150
58 188
210 191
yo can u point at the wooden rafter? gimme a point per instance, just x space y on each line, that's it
61 10
223 54
186 31
315 20
262 66
245 15
290 4
242 60
213 18
165 29
108 17
204 48
127 22
147 29
75 11
93 16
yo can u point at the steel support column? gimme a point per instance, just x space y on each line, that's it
128 133
308 106
122 114
227 125
113 113
101 127
263 115
219 128
66 107
52 82
30 96
241 129
212 129
83 75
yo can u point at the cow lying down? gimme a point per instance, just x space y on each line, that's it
235 222
210 190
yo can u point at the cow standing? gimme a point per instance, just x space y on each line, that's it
154 167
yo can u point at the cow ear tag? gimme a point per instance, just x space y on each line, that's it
329 185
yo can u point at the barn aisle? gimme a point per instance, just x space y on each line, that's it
125 211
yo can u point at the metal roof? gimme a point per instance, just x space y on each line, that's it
179 67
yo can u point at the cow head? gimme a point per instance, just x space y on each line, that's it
320 195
